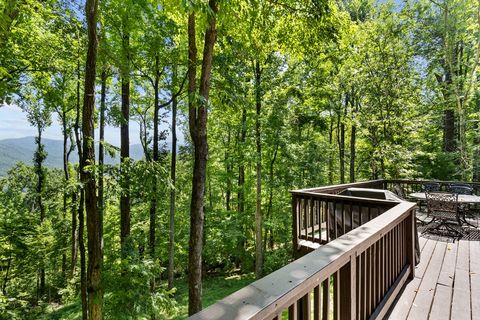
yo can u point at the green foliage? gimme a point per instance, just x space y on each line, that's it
129 296
347 86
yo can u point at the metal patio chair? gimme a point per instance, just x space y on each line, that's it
464 208
431 186
460 188
443 208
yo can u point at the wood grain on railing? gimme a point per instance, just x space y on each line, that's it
356 276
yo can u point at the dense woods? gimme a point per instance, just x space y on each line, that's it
265 95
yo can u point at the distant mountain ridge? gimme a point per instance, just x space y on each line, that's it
22 149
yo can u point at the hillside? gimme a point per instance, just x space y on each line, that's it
22 149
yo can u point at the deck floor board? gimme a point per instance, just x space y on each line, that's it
446 283
423 299
475 278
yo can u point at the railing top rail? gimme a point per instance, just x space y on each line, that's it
344 198
278 290
367 182
428 180
338 186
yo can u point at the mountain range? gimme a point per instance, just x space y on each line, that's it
22 149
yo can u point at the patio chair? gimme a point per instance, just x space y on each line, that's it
399 191
427 187
460 188
431 186
464 208
442 207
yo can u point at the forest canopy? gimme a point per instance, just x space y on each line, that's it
270 95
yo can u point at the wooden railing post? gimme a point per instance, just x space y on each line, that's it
410 241
295 226
304 307
348 289
383 184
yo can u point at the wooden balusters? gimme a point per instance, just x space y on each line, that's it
317 303
326 298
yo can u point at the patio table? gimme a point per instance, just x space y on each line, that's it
462 198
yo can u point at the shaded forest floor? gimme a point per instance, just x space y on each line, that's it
214 289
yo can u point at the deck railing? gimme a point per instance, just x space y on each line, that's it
410 186
356 276
335 189
320 218
365 252
320 215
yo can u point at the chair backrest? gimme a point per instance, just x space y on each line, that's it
398 190
460 189
442 202
431 186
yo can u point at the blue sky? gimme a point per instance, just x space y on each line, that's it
14 124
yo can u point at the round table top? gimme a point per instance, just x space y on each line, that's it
466 198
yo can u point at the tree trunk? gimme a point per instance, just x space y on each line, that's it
476 143
341 143
39 157
153 204
83 260
173 168
7 271
101 150
124 155
125 151
331 152
74 235
460 101
352 153
258 207
198 132
75 209
95 249
241 184
229 170
241 166
153 200
449 131
476 155
268 217
65 172
196 206
79 236
449 113
353 138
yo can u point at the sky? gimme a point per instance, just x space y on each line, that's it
14 124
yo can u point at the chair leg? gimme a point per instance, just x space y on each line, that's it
463 219
435 225
457 229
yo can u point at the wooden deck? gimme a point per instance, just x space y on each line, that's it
446 283
367 272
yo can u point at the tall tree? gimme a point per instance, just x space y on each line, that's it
173 176
258 169
447 38
124 135
101 147
197 119
39 116
95 249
